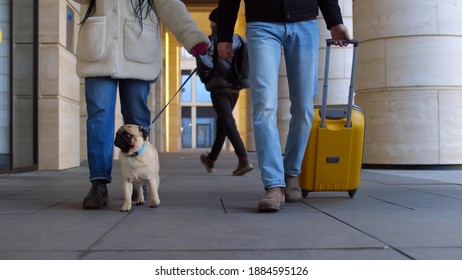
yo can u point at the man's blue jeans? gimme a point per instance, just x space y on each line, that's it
101 94
300 43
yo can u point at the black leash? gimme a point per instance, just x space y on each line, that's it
181 87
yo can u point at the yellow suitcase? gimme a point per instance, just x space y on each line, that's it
333 156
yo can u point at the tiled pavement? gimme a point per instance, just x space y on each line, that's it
395 215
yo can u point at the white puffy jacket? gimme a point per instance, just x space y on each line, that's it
112 43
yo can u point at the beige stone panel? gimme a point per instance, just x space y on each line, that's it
62 28
324 33
58 134
48 134
68 80
339 63
401 127
49 20
371 66
48 70
77 19
283 118
450 17
450 118
57 72
69 134
390 18
337 91
283 113
423 61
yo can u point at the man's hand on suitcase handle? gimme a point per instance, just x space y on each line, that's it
345 43
340 35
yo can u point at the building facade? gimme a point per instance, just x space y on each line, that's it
406 82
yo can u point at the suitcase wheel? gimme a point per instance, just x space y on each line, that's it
305 193
352 193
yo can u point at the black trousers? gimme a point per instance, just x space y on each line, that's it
223 103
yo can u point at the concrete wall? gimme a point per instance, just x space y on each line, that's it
407 83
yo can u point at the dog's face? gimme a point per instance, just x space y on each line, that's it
130 137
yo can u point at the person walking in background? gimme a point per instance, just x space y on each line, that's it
219 78
272 25
119 47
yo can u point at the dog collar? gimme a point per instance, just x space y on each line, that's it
140 151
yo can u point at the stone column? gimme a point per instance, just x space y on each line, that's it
408 81
59 100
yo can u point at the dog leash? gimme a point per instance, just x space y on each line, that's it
163 109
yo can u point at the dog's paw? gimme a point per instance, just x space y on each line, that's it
140 199
154 204
126 208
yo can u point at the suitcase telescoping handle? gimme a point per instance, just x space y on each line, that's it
330 42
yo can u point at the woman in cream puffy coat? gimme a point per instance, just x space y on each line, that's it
119 46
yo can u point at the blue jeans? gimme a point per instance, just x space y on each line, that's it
101 94
300 42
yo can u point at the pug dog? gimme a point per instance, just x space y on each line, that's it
139 165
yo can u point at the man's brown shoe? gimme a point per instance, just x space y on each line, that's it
292 191
272 201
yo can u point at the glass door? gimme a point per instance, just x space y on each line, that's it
18 85
5 66
198 118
